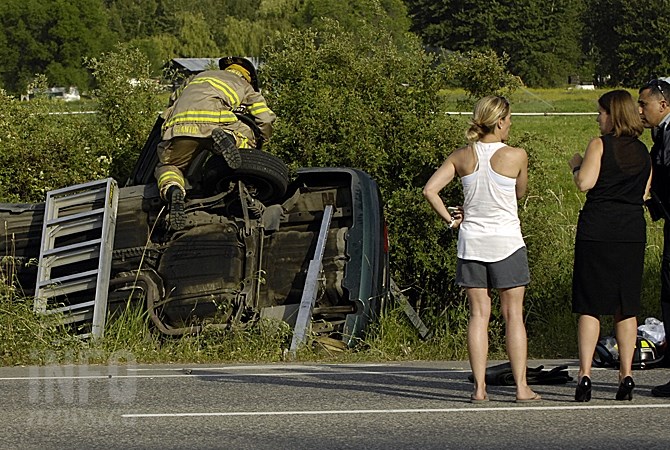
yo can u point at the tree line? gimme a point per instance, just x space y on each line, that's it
55 37
610 42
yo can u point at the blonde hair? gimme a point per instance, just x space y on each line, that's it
487 112
623 110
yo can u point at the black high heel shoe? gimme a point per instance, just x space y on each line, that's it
583 391
625 391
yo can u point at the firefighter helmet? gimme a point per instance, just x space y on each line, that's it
227 61
646 354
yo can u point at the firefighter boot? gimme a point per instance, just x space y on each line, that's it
177 215
225 145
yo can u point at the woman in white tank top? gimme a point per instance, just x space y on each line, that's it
491 250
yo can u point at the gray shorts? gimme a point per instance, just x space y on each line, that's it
508 273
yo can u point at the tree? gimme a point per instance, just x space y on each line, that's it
542 38
480 74
194 36
132 19
459 25
246 34
388 15
629 43
79 30
128 103
548 48
52 38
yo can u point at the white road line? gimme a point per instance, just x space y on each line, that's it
393 411
194 374
261 366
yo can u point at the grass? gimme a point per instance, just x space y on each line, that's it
549 216
528 100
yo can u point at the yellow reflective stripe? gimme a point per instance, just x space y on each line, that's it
257 108
170 176
229 92
201 117
187 129
256 112
244 142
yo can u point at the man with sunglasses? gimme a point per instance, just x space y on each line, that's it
654 105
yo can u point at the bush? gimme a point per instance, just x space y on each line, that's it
356 100
24 335
42 151
480 74
359 100
128 102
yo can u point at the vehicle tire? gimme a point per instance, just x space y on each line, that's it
267 174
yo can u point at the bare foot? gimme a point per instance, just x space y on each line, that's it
474 398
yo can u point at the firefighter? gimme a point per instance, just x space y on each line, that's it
201 117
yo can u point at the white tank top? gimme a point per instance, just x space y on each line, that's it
490 230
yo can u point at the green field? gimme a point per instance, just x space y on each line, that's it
525 100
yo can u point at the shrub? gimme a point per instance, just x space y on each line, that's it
42 151
480 74
356 100
128 101
24 335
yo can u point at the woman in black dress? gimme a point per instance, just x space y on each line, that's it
611 236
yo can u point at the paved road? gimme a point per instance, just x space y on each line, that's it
315 406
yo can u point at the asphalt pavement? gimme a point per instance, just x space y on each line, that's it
418 404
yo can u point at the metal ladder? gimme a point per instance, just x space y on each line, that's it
76 252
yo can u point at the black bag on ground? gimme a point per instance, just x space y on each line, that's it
501 375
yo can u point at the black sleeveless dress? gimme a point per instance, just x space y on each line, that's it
611 232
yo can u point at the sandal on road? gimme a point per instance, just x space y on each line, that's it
535 398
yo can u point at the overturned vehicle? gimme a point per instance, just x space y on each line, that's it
244 253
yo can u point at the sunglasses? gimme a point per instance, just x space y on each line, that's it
659 84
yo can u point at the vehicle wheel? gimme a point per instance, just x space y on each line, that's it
263 173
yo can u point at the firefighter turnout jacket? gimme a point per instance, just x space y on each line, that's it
207 101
